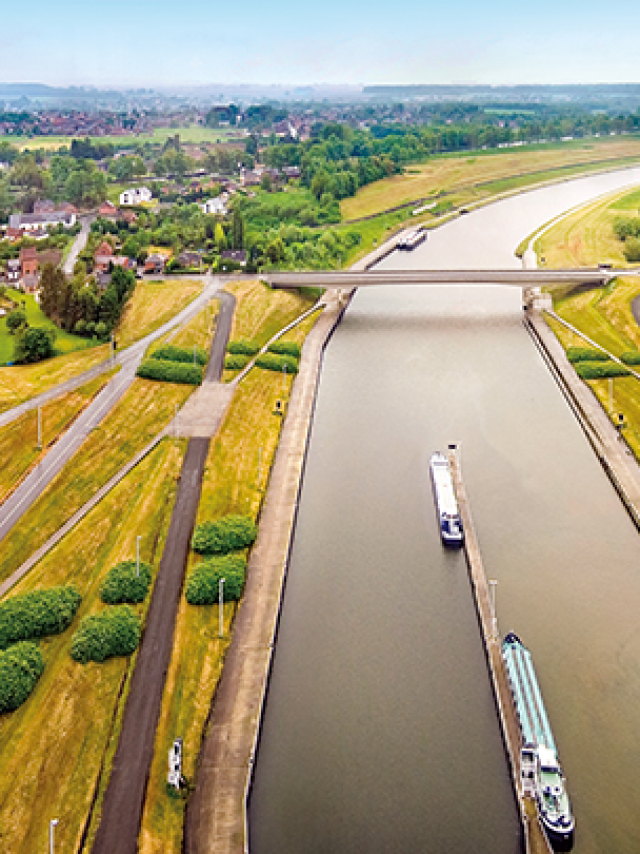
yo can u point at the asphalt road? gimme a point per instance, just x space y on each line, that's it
78 244
124 797
33 485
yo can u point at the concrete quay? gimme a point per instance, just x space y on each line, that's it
535 839
216 818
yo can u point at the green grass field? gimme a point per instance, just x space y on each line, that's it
65 342
191 134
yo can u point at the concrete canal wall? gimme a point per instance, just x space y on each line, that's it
535 840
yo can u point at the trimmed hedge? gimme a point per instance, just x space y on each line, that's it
170 372
236 362
242 347
203 581
114 632
585 354
37 614
224 535
600 370
286 348
274 362
20 668
631 358
169 353
121 583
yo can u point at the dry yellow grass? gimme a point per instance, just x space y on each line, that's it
143 411
261 311
466 172
19 440
53 746
152 304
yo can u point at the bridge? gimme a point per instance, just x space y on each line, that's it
344 280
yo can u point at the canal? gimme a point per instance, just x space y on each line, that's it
380 732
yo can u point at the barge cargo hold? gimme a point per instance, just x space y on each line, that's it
449 520
541 773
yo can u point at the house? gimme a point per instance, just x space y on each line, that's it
189 259
136 196
155 263
13 270
249 179
28 261
128 216
105 248
108 210
43 206
104 263
238 256
40 222
291 171
215 206
13 234
30 283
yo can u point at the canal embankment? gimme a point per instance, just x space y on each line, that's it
535 840
607 442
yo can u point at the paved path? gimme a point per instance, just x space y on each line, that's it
63 450
216 813
124 796
78 244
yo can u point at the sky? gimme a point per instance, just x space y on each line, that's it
131 43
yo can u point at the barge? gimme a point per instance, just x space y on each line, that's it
451 530
541 772
411 239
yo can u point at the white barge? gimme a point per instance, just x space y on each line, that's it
410 239
448 513
541 773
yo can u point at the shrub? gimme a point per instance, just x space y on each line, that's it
16 319
286 348
242 347
101 329
600 370
632 249
236 362
585 354
203 580
20 668
169 353
224 535
274 362
37 614
631 358
170 372
113 632
122 584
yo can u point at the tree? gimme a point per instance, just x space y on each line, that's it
220 238
237 229
34 345
16 320
52 283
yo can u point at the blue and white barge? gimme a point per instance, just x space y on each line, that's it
541 773
451 530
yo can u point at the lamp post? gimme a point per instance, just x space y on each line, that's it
221 608
52 825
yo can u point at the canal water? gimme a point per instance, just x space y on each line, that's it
380 733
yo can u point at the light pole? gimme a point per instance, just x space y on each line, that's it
494 619
221 608
138 538
52 824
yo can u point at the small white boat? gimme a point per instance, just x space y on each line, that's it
451 530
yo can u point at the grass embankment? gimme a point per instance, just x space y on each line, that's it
198 331
54 746
261 312
152 304
19 440
230 485
142 412
585 237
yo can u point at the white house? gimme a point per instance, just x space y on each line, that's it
40 221
216 206
136 196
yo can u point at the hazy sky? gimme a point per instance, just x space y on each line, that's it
146 42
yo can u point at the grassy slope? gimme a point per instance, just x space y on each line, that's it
153 304
18 440
230 486
143 411
53 747
454 173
